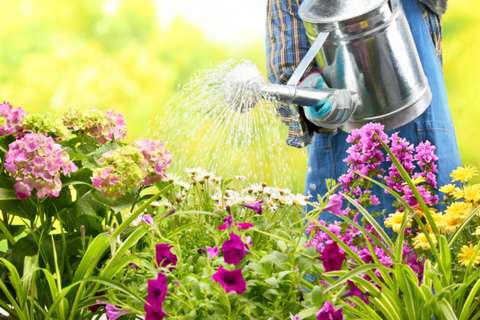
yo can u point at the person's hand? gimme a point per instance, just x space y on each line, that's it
333 112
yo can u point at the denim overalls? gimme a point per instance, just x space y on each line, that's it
326 153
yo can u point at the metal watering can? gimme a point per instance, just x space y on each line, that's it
365 46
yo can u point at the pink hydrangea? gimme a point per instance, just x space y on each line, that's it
35 161
10 119
115 126
157 157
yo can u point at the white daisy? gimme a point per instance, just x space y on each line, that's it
166 204
285 200
171 178
155 204
193 172
241 178
219 207
299 199
272 205
184 185
257 188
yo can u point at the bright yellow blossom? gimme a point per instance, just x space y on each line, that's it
464 174
416 181
472 193
459 210
394 221
449 224
437 218
421 242
458 194
447 189
467 255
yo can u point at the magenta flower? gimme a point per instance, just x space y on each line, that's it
100 303
234 249
334 205
354 291
248 240
230 280
255 206
244 226
213 252
157 289
152 315
164 256
148 219
113 313
329 313
333 257
228 223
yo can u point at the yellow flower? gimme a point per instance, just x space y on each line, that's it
394 221
464 174
437 218
458 194
472 193
459 210
416 181
420 241
449 224
477 232
447 189
467 255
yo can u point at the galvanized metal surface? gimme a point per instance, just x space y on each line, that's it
372 54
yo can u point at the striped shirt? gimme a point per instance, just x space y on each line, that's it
287 44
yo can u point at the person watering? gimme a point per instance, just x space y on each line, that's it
318 128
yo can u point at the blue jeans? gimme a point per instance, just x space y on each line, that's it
326 154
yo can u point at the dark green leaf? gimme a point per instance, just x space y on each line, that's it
22 208
5 141
14 230
93 225
117 205
8 194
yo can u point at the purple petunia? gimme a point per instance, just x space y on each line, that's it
333 257
213 252
354 291
113 313
255 206
164 256
234 249
334 204
230 280
228 223
157 289
152 315
328 313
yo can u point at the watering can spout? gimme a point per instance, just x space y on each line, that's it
306 97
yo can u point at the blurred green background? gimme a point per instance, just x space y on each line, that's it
57 54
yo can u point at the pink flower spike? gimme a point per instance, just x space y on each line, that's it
334 205
213 252
230 280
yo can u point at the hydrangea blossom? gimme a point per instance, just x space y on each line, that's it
10 119
157 157
35 161
102 125
45 123
120 169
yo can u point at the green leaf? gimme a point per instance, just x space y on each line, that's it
8 194
124 202
317 296
5 141
197 292
21 208
93 225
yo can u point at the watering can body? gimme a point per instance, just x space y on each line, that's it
370 50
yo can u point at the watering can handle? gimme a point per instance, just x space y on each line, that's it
312 52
